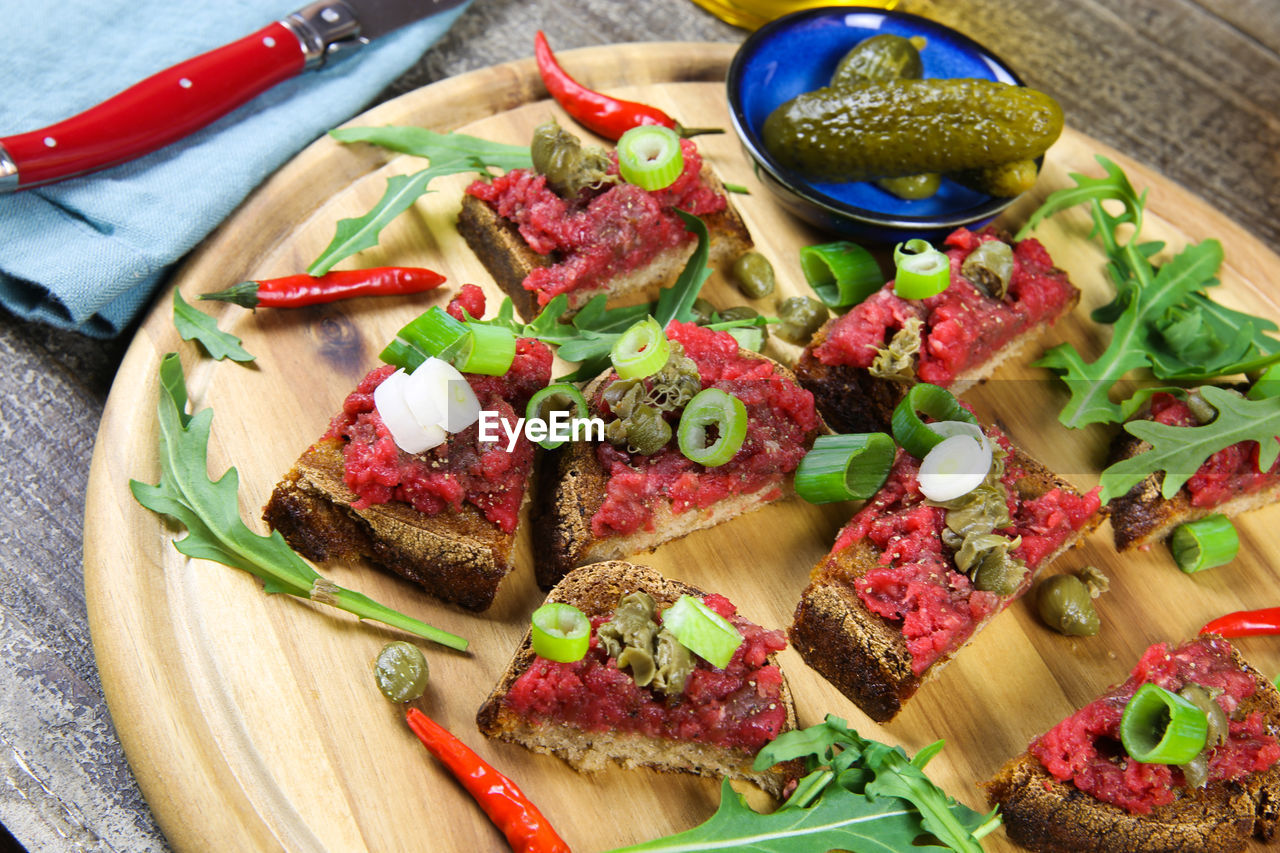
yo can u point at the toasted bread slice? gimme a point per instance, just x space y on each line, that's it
572 487
596 591
457 556
509 259
852 399
1044 814
865 655
1142 517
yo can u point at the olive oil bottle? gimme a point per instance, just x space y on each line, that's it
752 14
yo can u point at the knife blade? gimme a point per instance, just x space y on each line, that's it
179 100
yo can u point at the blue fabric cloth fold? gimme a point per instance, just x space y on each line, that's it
87 253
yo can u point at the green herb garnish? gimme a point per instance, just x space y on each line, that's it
1162 316
210 513
448 153
199 326
858 795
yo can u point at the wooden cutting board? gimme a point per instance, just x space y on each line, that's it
252 721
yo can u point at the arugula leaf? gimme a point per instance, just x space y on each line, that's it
210 512
859 795
1180 451
193 324
448 153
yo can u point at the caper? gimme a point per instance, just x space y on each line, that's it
623 395
754 275
1219 724
703 311
1066 606
1196 771
647 431
1202 409
990 268
798 318
569 167
400 671
738 312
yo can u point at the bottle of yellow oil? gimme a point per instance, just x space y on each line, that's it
752 14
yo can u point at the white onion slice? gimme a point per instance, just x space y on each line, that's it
946 429
458 403
955 467
410 435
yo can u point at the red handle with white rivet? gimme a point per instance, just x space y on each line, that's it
155 112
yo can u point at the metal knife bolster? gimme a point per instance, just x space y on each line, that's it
8 172
323 29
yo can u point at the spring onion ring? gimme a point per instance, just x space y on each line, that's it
922 271
486 350
841 273
1159 727
911 432
428 335
558 397
702 631
1205 543
560 632
845 467
712 407
649 156
641 350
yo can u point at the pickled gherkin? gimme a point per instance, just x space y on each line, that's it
905 127
877 59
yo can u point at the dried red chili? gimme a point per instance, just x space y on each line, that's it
294 291
1245 623
609 117
520 821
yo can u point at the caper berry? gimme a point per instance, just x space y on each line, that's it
400 671
1066 606
754 275
703 311
798 318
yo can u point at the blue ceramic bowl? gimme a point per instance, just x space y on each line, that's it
798 53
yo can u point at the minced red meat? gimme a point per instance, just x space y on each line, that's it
1226 474
1085 749
600 235
962 326
916 583
464 468
738 707
781 420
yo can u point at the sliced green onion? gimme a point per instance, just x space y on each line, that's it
748 337
1206 543
560 397
402 355
560 632
649 156
430 333
641 350
712 407
922 271
486 350
841 274
916 437
702 631
845 467
1159 727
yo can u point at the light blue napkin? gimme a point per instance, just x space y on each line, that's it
87 253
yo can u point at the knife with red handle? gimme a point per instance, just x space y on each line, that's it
180 100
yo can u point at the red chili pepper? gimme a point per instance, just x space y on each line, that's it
294 291
1246 623
520 821
609 117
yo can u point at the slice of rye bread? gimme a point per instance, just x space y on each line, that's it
863 654
596 591
571 486
458 556
1044 814
852 400
1141 517
509 259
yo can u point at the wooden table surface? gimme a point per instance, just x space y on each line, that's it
1189 87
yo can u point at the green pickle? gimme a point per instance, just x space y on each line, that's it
905 127
877 59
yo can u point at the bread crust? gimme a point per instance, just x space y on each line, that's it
509 259
596 590
1043 814
863 654
458 556
571 488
